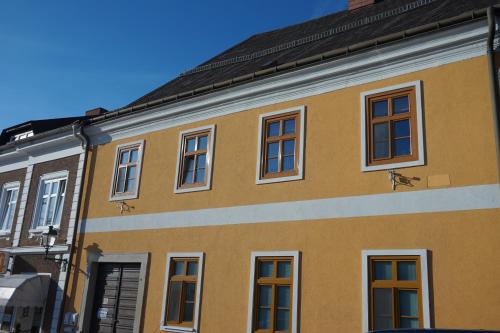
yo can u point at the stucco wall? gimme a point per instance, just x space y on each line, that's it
464 252
464 247
458 135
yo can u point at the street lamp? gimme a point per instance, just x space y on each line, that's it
48 240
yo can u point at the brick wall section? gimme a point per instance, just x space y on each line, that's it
71 165
355 4
8 177
37 264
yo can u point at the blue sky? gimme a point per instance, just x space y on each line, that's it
59 58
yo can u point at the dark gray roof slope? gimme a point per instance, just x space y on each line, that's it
345 28
37 126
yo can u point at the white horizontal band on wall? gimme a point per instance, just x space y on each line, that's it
425 201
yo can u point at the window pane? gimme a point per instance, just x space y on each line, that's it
265 295
383 270
55 188
202 161
188 312
62 187
283 296
380 109
192 268
200 169
282 320
264 320
130 185
190 144
266 269
288 163
46 188
408 303
400 105
174 301
401 128
188 177
50 214
289 126
43 212
179 268
408 323
272 165
132 175
188 170
382 302
407 271
202 142
134 155
121 180
402 147
289 147
381 140
59 208
273 129
272 149
283 269
190 290
199 176
124 157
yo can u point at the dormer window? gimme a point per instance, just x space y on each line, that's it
21 136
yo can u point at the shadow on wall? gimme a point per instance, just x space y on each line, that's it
75 272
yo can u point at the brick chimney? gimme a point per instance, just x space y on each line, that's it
355 4
95 112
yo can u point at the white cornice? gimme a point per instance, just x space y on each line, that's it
37 151
407 56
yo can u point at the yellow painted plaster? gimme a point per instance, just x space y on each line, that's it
458 134
464 255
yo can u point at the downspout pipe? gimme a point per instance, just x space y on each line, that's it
494 82
79 133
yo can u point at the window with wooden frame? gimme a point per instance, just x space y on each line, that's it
127 171
281 146
392 127
395 292
195 159
273 292
182 292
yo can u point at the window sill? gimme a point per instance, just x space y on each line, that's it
177 329
4 233
278 179
391 166
124 197
39 230
192 189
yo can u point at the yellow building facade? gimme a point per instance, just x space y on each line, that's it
338 244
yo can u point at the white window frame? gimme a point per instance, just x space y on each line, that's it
114 177
196 323
210 153
417 85
7 187
365 289
60 175
295 288
300 165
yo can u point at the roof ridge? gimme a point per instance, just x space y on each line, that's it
312 38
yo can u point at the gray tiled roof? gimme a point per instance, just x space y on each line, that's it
381 19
